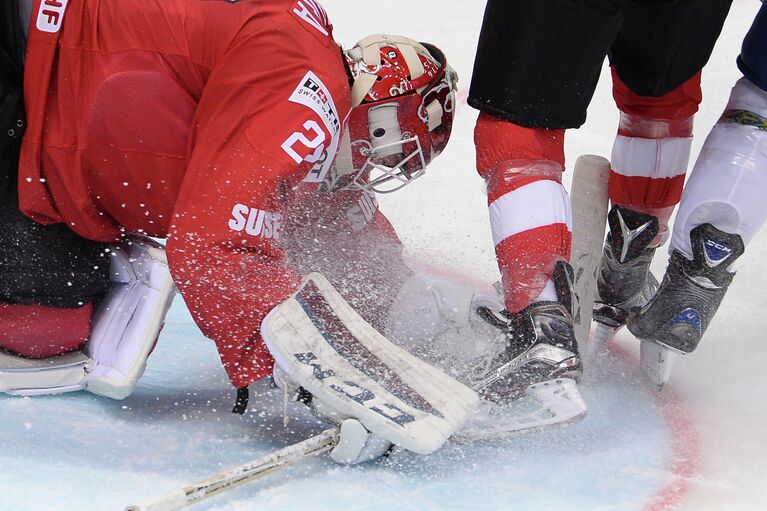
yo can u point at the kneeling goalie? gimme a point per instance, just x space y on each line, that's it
257 157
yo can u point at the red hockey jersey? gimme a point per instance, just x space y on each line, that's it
202 121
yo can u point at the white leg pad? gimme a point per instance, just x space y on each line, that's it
332 352
54 375
128 321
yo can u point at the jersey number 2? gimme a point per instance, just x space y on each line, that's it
314 147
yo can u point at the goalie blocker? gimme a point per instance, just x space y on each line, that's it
124 330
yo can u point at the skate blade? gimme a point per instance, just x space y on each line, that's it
551 403
598 342
656 363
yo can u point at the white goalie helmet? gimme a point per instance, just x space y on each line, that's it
403 99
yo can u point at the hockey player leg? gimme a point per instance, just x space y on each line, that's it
531 382
128 321
691 292
649 163
437 320
624 279
721 210
523 169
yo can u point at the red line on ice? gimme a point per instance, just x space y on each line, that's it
685 451
685 444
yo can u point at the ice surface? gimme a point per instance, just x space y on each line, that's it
80 452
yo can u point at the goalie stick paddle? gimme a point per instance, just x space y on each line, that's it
232 478
590 202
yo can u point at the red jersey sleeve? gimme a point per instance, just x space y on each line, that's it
271 110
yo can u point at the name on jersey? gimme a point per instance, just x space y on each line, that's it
50 15
362 213
256 222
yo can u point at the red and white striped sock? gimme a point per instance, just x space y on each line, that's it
652 150
530 214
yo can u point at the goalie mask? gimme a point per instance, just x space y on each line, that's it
403 98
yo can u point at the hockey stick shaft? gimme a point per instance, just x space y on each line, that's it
232 478
590 203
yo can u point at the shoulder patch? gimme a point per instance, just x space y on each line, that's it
312 93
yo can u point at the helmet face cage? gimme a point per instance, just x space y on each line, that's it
378 177
392 139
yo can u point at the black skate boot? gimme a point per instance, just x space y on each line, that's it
540 344
691 291
624 279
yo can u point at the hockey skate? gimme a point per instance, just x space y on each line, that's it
531 383
674 321
624 279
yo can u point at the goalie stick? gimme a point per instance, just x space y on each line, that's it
246 473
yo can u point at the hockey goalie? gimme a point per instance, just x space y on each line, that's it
261 173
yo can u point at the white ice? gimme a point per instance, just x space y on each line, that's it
632 452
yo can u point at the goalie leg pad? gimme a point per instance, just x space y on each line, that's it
124 329
330 351
128 321
54 375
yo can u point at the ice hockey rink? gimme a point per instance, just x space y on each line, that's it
701 444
